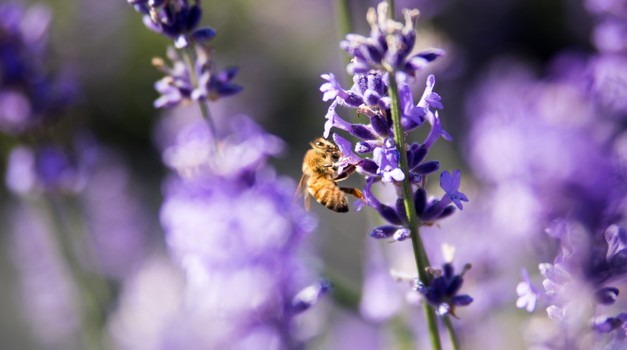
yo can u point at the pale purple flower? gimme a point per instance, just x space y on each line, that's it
527 293
115 219
450 185
236 232
46 288
47 169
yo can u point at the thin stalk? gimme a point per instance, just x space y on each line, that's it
416 242
92 311
344 23
451 333
189 58
391 9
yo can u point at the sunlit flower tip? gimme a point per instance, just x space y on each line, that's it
361 131
527 293
401 234
384 231
421 60
606 295
309 296
604 324
331 88
450 184
556 313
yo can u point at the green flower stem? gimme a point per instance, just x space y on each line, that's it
89 286
390 9
416 242
189 56
451 332
345 24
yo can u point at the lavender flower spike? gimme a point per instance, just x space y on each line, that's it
234 224
388 46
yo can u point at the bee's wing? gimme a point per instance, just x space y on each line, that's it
302 189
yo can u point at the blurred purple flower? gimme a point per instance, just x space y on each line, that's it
29 95
234 225
115 219
45 169
527 293
531 133
47 291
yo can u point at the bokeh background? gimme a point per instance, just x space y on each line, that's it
282 47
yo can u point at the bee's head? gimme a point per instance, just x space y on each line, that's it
323 145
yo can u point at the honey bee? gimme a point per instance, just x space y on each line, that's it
320 177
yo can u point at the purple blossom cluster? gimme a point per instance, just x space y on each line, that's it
30 95
224 261
554 146
175 19
191 75
232 226
230 223
376 154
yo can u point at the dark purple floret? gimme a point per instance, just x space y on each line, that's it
427 167
610 324
213 85
606 295
369 166
176 19
420 201
443 288
177 86
380 124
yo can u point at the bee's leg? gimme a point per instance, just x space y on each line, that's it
346 172
353 191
